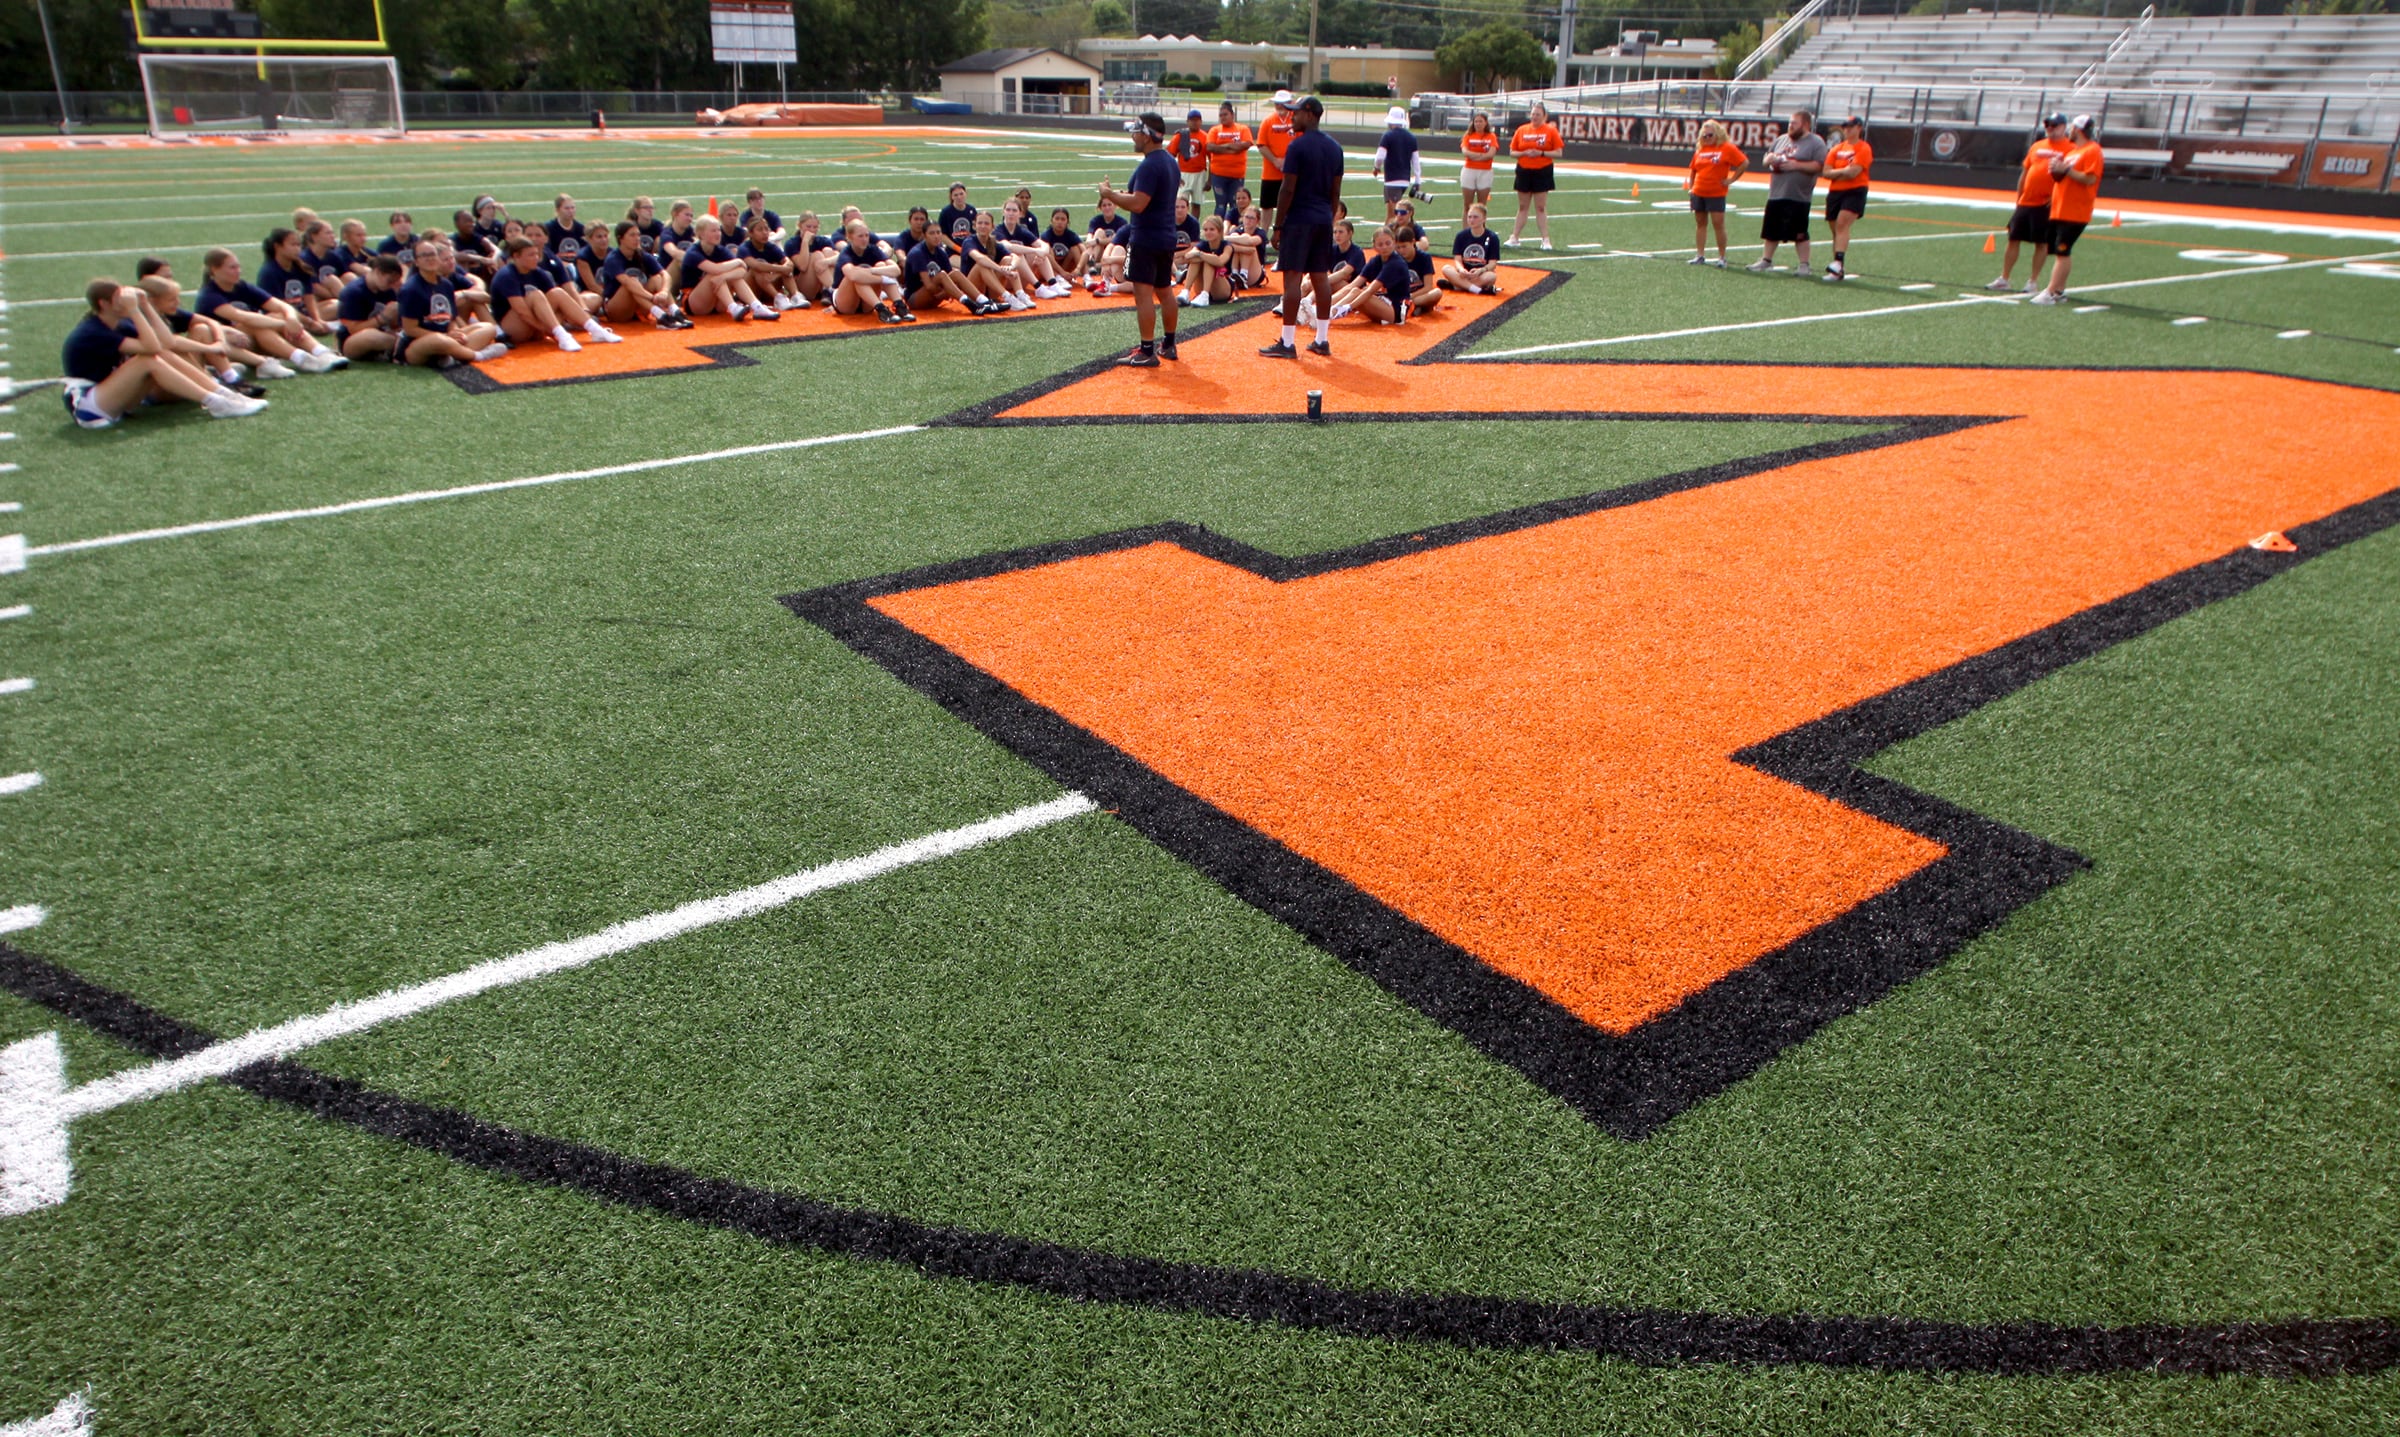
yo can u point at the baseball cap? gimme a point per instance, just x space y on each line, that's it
1191 114
2055 117
1859 120
1283 99
2081 122
1155 127
1395 116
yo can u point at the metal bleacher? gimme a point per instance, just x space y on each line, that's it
2332 75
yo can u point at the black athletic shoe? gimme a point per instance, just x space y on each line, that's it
884 313
1321 349
907 315
1136 359
1166 348
1280 350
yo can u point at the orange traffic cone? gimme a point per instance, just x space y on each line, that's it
2275 541
712 207
1991 244
1637 189
2116 221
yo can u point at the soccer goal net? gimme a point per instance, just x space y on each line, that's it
226 94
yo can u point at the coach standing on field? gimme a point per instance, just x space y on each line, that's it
1794 161
1312 182
1149 239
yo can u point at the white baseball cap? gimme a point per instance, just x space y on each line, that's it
1395 116
1283 100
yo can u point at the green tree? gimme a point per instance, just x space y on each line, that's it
1111 17
1733 47
1497 51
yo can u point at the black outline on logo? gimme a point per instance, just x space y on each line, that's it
1633 1084
2299 1348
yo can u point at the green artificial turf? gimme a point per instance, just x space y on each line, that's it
296 764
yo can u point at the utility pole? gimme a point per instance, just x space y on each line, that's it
1308 81
1566 40
66 121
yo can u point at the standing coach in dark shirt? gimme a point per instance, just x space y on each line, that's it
1150 238
1312 182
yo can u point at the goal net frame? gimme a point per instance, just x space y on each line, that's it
262 94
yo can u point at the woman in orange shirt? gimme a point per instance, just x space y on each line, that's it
1535 147
1476 148
1714 166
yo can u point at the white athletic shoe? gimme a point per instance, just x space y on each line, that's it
598 335
490 352
783 302
1836 275
310 361
2046 297
566 343
1020 302
273 368
1801 271
1200 300
762 311
333 359
2028 289
222 405
1697 259
1759 266
2000 286
1341 311
1545 244
1718 263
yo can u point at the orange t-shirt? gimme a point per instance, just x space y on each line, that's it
1237 163
2034 186
1529 135
1274 137
1846 154
1191 150
1479 149
2070 201
1713 169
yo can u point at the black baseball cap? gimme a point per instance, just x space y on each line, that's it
2055 117
1858 121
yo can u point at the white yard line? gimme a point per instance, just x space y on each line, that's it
151 1080
2252 273
424 496
16 611
16 686
72 1417
20 782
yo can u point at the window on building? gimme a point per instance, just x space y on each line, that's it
1146 71
1231 72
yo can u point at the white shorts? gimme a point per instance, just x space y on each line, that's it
1475 182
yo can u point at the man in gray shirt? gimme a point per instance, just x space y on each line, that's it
1793 163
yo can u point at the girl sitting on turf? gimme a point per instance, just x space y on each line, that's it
632 281
120 356
597 242
993 270
865 276
930 274
1024 244
1205 275
531 304
246 310
200 342
713 280
1249 244
1474 256
469 249
643 213
811 254
1104 249
1065 246
770 269
678 235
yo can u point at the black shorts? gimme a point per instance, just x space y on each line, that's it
1836 201
2030 224
1307 248
1785 220
1144 265
1269 191
2064 233
1540 181
1708 204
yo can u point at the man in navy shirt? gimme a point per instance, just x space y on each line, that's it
1397 160
1149 237
1312 182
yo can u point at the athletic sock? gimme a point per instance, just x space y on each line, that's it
1291 332
1324 331
1149 347
558 331
1838 254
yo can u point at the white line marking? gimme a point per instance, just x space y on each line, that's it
132 1085
15 686
422 496
2295 334
22 917
12 553
19 782
1915 288
2218 274
72 1417
35 1171
11 507
1729 328
2090 308
16 611
2189 319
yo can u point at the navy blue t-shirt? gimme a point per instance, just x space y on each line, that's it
682 239
512 282
432 303
768 253
1157 177
94 347
350 259
957 221
289 285
802 246
393 244
1477 249
1353 256
844 256
924 260
565 241
243 293
322 267
358 302
697 254
651 232
1187 232
1112 225
644 267
1312 172
1399 156
1062 243
742 225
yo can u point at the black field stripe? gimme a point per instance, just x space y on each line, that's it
2298 1348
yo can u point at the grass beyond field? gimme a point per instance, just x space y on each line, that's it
1156 1118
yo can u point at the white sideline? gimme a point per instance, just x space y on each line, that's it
20 782
422 496
36 1104
72 1417
1996 298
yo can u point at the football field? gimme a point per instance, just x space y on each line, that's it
1705 852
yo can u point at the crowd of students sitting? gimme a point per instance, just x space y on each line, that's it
322 296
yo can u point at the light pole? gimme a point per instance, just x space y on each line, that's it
1566 40
1308 80
58 78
